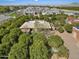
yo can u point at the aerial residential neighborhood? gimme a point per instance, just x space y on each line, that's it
39 29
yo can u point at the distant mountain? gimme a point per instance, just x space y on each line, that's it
73 4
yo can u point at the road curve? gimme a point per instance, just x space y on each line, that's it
70 43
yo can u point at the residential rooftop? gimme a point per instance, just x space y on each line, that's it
36 24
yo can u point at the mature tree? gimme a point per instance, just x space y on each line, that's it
18 22
55 41
18 51
63 51
68 28
38 50
57 46
38 37
4 9
60 29
21 49
3 32
12 37
4 49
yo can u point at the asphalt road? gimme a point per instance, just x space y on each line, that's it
3 17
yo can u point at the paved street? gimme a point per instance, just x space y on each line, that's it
70 43
3 17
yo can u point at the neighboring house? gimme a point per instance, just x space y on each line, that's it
70 12
20 12
35 25
71 19
4 17
43 10
76 33
51 11
33 10
46 11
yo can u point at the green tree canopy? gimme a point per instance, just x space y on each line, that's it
63 51
38 50
20 50
68 28
55 41
12 36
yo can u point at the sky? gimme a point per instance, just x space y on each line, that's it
36 2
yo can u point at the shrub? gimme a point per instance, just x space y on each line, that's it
63 51
60 29
55 41
68 28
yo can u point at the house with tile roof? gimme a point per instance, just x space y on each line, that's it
35 25
71 19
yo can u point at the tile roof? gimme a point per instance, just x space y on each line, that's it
36 24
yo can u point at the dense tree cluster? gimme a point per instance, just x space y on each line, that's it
36 46
69 8
4 9
38 50
12 37
9 34
24 49
20 50
17 45
57 44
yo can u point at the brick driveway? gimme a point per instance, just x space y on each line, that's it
71 44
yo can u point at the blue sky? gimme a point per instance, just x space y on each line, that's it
37 2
